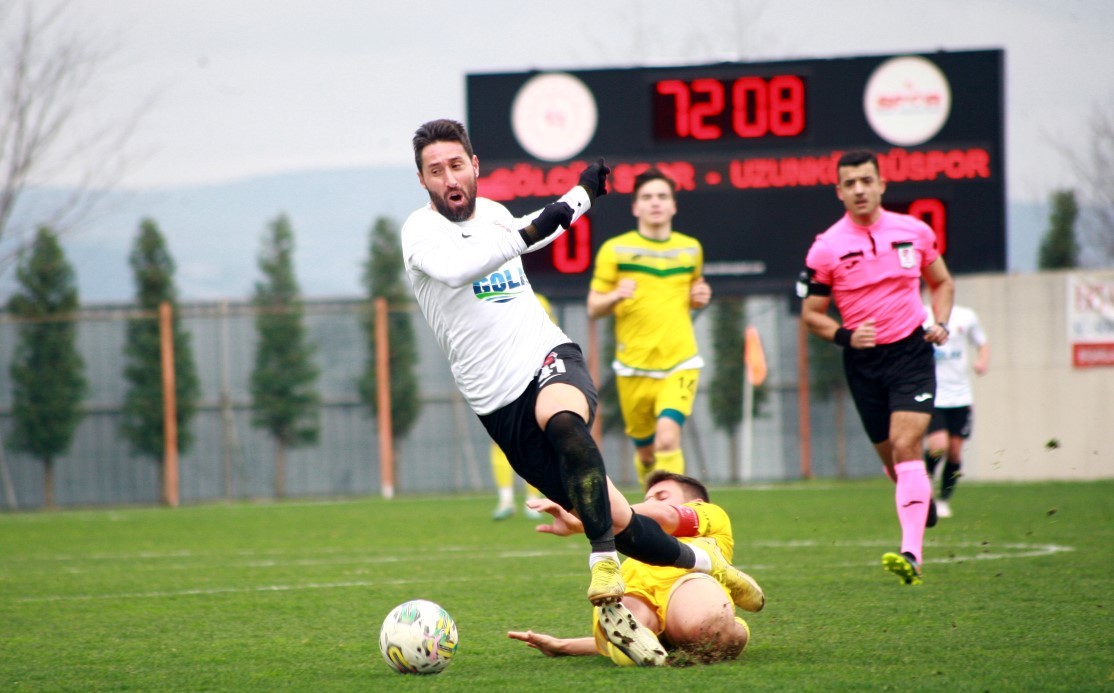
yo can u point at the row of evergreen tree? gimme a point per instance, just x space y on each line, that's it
47 370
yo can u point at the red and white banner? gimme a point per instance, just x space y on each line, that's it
1091 320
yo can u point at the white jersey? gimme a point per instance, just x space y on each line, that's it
953 380
468 280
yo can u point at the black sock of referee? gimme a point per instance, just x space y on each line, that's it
949 479
585 479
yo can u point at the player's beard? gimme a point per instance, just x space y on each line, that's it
459 213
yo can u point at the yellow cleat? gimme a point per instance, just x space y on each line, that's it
904 566
745 592
607 583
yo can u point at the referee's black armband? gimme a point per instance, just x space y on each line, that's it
842 337
807 286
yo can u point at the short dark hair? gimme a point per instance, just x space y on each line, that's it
693 488
648 175
440 130
857 157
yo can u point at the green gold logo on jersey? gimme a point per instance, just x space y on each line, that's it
501 286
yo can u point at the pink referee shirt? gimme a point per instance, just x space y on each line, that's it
875 271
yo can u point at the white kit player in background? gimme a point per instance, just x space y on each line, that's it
953 417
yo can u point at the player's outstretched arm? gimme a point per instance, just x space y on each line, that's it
460 264
665 514
552 646
564 523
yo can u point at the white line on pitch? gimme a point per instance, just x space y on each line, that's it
1021 551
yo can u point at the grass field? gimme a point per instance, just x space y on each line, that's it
1018 595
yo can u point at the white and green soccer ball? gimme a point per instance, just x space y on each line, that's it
418 637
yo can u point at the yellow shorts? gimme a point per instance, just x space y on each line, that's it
657 594
644 400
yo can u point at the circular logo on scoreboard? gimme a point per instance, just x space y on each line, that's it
907 100
554 116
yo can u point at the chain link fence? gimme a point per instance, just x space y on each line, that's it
446 452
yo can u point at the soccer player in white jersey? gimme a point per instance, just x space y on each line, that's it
952 416
521 374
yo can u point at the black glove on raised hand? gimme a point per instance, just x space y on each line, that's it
553 216
594 178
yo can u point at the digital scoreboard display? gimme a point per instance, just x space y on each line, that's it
753 150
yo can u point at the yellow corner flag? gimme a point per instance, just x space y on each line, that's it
754 357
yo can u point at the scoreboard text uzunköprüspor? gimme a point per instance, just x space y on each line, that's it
752 147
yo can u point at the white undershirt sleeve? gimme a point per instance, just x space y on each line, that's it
577 198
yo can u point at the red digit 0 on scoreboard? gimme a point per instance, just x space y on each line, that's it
572 251
931 211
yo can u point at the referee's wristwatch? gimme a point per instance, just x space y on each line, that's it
944 326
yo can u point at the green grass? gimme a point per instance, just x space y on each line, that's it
289 596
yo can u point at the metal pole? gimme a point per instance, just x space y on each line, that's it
383 394
803 420
169 407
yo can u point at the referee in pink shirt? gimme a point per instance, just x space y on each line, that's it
871 263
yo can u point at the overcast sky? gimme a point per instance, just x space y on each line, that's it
242 88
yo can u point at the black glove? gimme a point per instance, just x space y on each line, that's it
553 215
594 178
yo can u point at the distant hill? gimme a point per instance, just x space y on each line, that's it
214 232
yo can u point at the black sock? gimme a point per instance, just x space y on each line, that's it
644 540
585 479
949 479
931 462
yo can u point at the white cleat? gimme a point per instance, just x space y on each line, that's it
633 639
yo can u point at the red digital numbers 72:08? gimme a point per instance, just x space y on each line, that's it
745 108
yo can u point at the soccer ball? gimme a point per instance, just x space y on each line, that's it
418 637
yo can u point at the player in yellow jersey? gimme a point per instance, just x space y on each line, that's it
501 467
651 279
684 609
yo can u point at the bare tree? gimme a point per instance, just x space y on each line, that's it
1094 169
49 62
727 30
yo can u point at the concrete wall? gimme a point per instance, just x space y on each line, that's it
1036 416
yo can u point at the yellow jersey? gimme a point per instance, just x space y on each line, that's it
653 329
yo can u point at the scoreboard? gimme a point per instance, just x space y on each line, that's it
753 150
